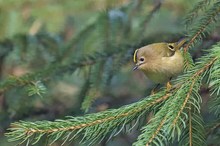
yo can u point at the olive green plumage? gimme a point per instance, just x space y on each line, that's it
160 61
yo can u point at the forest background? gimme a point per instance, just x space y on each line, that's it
63 58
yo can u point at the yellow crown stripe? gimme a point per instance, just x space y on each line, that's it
135 56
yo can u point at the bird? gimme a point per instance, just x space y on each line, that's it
160 61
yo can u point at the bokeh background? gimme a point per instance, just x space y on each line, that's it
37 34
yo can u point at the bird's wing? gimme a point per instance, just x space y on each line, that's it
166 52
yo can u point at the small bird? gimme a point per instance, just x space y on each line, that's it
160 61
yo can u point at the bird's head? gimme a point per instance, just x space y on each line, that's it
150 55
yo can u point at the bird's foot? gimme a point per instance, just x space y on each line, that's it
168 86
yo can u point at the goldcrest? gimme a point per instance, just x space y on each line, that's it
160 61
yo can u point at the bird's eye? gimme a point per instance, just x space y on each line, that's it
171 47
141 59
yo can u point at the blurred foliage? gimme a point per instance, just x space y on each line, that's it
77 55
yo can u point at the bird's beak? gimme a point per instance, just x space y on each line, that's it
135 67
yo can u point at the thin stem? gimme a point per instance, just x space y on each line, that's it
157 130
190 126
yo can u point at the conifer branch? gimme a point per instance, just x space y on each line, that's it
54 69
214 86
204 25
195 11
194 79
107 120
199 32
188 62
194 134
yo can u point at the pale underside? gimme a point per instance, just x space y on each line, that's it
165 68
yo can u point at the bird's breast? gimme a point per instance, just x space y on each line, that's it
162 69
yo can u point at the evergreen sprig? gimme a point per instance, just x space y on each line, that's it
204 26
214 86
54 70
93 127
194 134
192 14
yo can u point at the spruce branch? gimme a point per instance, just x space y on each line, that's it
214 85
94 127
192 14
188 98
195 133
153 133
54 69
204 26
195 78
188 62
